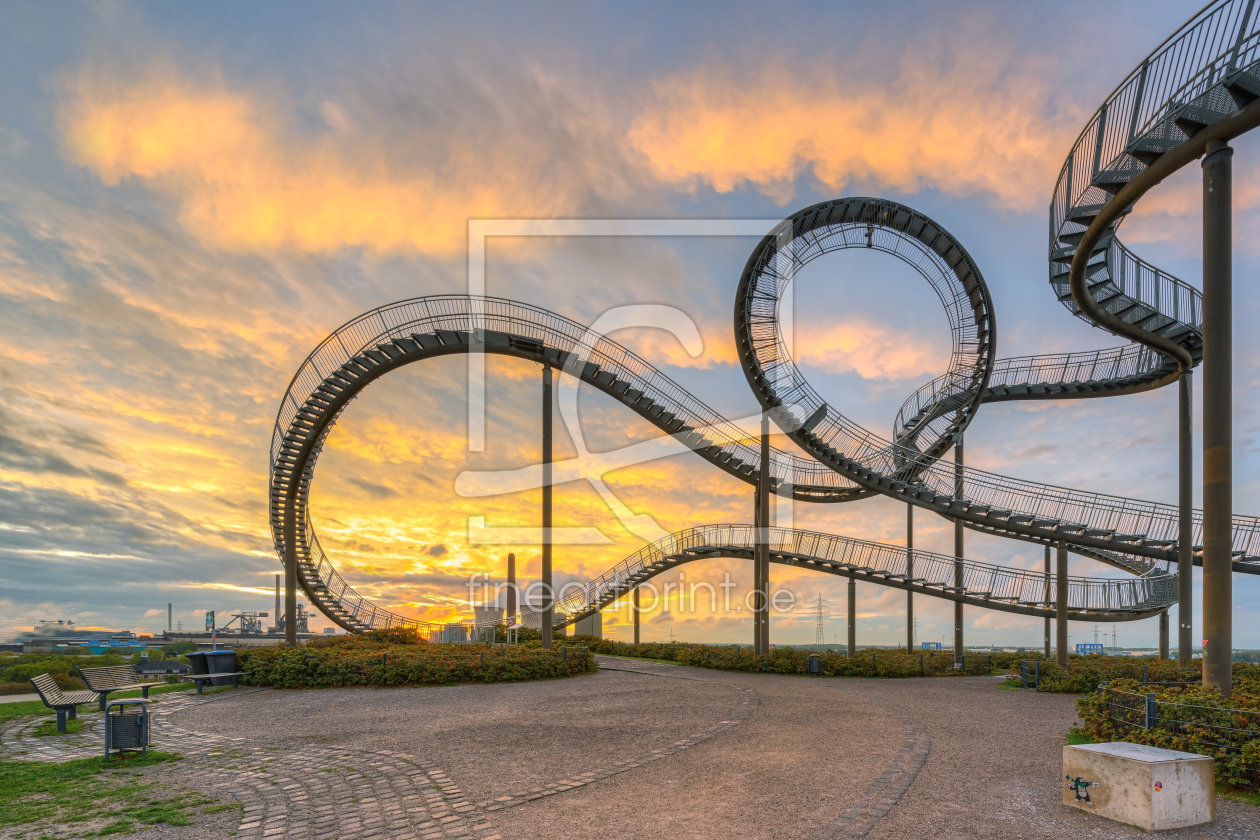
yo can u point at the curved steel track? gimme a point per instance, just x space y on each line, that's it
1204 81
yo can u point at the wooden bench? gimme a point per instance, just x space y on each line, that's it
59 701
202 679
114 678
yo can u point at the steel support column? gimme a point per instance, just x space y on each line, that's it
636 615
909 577
1185 520
290 588
958 552
852 615
761 557
546 508
1061 606
1218 502
1048 597
1163 635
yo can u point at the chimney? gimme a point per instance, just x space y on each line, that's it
511 590
168 618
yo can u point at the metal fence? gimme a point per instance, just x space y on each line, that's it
1143 715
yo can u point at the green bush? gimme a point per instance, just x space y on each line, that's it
869 662
21 668
1086 673
1234 767
356 660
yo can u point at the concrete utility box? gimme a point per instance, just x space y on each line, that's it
1148 787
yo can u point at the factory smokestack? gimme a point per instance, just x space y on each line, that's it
511 590
168 618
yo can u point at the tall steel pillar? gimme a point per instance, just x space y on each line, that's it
1185 520
1163 635
636 615
1047 599
1060 605
510 608
1218 475
290 588
761 554
909 577
958 551
546 508
852 615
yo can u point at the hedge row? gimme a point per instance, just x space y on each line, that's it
870 662
1235 767
392 658
1085 673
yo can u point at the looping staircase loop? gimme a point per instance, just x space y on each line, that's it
1204 78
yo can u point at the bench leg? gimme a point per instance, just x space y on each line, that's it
200 685
74 713
144 692
61 721
102 696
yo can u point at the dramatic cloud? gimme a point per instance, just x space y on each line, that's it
963 122
246 178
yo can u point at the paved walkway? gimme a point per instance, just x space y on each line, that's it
639 750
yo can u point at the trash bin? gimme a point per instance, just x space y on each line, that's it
815 663
126 728
214 662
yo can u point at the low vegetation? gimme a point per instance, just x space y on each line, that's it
1201 721
89 798
399 657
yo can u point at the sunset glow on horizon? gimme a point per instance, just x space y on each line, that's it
193 199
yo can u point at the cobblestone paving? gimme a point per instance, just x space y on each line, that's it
332 792
881 796
308 792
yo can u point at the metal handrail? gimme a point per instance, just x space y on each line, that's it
1143 594
1186 71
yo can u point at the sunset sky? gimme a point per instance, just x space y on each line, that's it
193 195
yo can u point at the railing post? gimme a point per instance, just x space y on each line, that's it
1152 712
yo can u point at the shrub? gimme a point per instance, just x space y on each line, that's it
869 662
1236 766
356 660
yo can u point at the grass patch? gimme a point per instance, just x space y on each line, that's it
9 711
226 806
1075 738
51 796
1244 796
49 727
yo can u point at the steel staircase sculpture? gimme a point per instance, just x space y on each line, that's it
984 585
1202 74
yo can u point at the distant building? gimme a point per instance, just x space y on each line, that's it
163 667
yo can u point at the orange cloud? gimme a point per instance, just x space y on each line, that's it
245 182
871 351
978 127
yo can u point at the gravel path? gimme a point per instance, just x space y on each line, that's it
638 750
